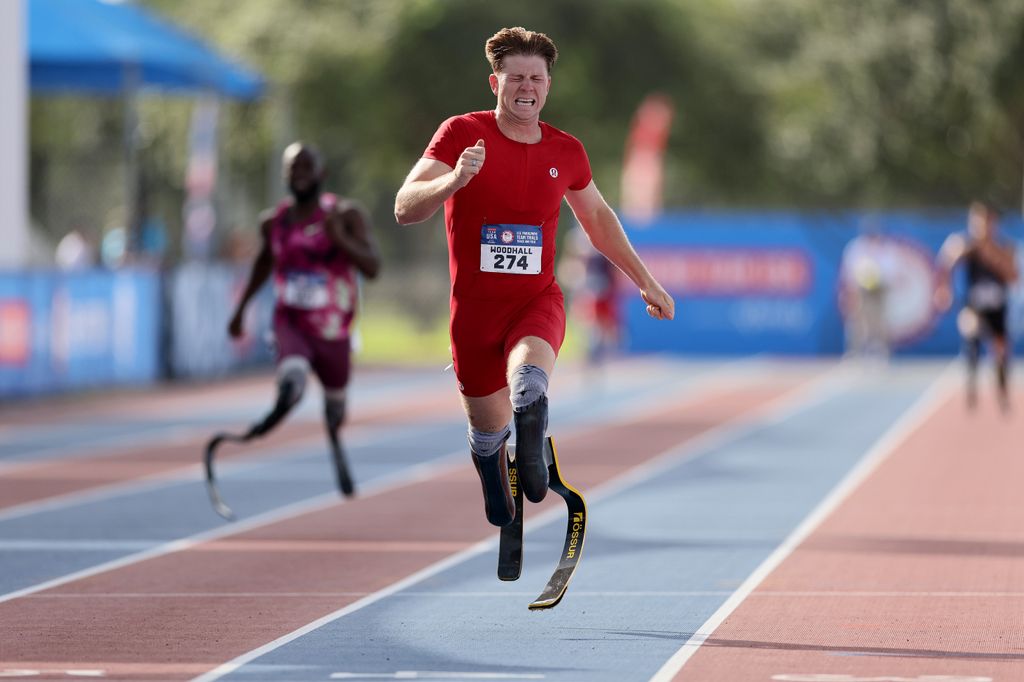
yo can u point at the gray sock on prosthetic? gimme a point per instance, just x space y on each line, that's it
486 443
528 383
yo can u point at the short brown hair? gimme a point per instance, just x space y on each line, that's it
512 41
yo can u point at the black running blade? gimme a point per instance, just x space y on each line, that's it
344 478
510 544
575 532
211 482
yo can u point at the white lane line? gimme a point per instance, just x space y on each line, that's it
75 545
895 435
773 411
405 593
435 675
828 677
598 594
19 673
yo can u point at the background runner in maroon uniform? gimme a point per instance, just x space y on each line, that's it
313 245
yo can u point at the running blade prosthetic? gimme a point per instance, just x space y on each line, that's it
342 475
216 500
575 532
531 424
510 545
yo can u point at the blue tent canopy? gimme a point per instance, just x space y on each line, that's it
91 46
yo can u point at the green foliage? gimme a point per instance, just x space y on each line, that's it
778 102
886 102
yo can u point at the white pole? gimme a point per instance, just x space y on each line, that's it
14 226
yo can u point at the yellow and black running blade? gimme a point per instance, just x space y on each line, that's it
510 544
211 482
575 532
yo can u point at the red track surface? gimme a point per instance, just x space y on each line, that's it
25 482
919 572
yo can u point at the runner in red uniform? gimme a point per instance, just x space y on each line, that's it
501 176
314 244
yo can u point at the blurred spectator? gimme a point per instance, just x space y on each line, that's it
153 242
867 272
592 284
114 248
75 252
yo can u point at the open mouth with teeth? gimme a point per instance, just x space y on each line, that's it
525 101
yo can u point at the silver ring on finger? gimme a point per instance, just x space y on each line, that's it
474 162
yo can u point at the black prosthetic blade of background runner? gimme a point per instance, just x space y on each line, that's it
211 482
575 532
510 544
343 477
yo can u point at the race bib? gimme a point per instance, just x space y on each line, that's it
986 296
305 290
512 249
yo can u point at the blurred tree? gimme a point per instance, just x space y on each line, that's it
779 102
370 81
884 102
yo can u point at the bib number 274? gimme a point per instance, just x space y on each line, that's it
510 262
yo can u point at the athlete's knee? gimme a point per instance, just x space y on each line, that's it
526 385
968 324
532 350
488 413
486 443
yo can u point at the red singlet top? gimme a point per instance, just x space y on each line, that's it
501 226
314 282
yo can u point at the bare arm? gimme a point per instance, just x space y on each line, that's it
262 268
349 229
431 182
951 252
606 234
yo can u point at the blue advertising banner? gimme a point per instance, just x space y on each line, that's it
201 299
65 331
770 282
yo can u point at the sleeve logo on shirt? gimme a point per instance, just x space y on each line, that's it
553 172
